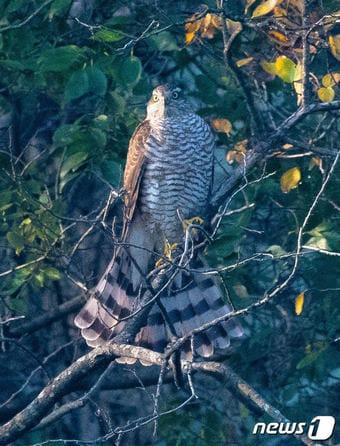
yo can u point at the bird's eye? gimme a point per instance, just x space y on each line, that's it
155 97
175 94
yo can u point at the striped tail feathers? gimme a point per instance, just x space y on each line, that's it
193 302
211 290
154 335
114 299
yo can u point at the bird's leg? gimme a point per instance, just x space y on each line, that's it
192 221
169 248
175 363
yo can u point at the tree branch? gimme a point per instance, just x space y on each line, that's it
28 19
244 391
101 356
63 384
261 149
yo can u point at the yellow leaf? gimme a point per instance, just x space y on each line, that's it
279 12
238 153
290 179
278 37
193 26
326 94
191 29
233 27
222 126
299 301
216 20
298 82
285 68
265 8
334 45
269 67
189 38
26 221
211 22
242 62
205 26
207 19
330 79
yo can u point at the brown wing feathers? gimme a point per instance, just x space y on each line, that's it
114 295
134 171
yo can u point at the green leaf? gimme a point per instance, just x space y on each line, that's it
65 134
52 273
97 80
309 359
60 59
15 5
118 102
39 279
111 172
97 138
130 71
285 69
59 7
107 35
5 199
88 80
77 86
16 240
72 163
12 64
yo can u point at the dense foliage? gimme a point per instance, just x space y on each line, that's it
74 80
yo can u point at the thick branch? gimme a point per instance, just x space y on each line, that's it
101 356
63 384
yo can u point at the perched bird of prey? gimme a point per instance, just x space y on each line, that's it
168 181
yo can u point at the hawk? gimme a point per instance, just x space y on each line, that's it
168 180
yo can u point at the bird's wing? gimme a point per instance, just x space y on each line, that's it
114 296
134 171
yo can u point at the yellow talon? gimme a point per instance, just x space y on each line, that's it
190 221
168 250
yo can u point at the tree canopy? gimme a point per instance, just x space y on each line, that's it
75 76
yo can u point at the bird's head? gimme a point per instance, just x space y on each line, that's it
166 101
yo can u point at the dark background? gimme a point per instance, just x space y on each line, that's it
74 81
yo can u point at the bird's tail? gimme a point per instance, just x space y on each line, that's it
194 300
191 300
114 299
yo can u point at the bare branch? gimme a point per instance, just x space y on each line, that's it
260 150
28 19
62 384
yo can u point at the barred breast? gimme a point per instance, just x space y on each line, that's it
178 174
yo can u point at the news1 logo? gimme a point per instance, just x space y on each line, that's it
320 428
